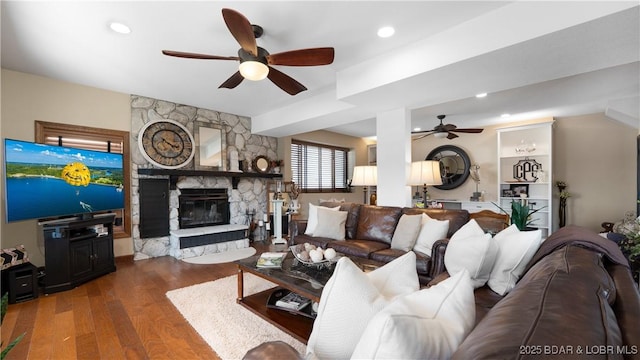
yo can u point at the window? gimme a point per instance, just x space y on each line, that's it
94 139
319 168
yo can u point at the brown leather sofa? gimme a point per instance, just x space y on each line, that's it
576 300
369 230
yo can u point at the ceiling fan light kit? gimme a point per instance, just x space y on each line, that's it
253 70
440 135
256 62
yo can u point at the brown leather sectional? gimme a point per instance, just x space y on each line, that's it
576 300
369 230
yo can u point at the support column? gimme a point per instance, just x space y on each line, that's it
393 129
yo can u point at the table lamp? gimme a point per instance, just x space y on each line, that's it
425 173
365 176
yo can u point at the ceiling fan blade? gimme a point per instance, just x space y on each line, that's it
303 57
422 134
468 131
451 136
241 29
189 55
233 81
285 82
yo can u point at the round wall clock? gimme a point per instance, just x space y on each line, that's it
166 143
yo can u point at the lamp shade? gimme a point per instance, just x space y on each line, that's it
365 176
425 172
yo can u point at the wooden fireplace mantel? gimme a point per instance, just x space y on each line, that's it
235 176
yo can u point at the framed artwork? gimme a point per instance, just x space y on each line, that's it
519 189
507 193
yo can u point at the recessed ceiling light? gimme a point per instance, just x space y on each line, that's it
386 31
481 95
120 28
417 129
505 115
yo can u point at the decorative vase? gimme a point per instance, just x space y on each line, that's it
562 212
294 206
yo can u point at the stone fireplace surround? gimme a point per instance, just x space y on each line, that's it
249 194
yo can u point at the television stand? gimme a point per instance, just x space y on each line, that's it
76 251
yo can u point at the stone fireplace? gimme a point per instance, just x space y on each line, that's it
192 232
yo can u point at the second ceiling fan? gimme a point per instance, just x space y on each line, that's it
441 131
255 62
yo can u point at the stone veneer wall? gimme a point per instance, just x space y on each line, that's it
250 193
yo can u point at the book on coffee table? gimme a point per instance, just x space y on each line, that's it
271 259
293 301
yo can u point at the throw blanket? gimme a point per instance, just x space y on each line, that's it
580 236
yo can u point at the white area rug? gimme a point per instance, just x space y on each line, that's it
222 257
230 329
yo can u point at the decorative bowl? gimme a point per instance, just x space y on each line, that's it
297 249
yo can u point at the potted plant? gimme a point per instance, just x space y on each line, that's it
521 213
3 311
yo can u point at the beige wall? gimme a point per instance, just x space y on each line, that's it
359 145
593 154
26 98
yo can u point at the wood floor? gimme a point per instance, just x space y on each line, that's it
122 315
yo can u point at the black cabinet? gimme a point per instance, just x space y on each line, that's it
77 251
154 208
20 281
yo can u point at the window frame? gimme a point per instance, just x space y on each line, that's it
45 128
333 149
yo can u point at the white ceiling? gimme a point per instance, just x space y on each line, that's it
534 58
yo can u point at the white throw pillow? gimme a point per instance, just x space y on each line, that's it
351 298
431 231
330 223
476 254
312 221
471 228
515 249
427 324
406 232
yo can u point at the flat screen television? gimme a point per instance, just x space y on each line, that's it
47 182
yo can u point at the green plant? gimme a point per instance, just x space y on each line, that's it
630 228
520 213
5 302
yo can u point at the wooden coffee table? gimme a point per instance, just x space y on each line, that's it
301 279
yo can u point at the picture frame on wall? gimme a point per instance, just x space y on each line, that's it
519 189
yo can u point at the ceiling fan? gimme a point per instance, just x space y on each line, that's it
444 131
255 62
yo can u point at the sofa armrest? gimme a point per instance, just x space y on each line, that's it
437 257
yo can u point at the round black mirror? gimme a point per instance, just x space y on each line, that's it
454 165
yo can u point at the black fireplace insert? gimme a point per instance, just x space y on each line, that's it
203 207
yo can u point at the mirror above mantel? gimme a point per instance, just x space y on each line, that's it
211 153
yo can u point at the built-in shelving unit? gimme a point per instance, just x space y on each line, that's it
235 176
525 164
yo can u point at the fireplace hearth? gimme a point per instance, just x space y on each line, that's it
203 207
